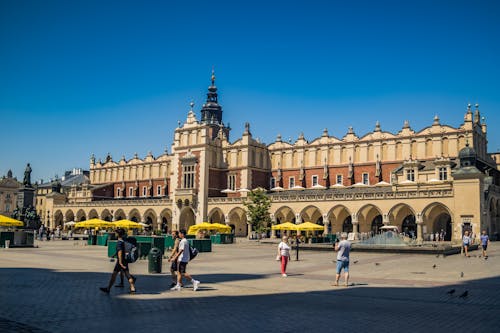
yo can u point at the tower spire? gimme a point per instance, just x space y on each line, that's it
211 112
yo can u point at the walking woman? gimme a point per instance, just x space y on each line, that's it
466 240
284 254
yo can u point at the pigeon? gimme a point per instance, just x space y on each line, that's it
464 294
451 292
355 261
434 266
437 256
461 274
377 263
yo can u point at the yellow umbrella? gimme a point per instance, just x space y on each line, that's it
309 226
222 227
127 224
207 226
94 223
6 221
284 226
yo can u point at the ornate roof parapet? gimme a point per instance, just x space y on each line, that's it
377 127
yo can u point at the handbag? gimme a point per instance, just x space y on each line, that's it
278 258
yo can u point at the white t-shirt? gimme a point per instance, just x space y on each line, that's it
184 247
284 249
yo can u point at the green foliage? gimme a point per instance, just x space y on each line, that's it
258 204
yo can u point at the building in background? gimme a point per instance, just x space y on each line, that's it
439 177
9 187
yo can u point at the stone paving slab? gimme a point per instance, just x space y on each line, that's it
54 288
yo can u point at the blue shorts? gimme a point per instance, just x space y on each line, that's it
344 265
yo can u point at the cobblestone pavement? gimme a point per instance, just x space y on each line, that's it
54 288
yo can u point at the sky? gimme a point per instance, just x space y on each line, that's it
96 77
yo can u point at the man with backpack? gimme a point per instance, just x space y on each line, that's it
173 263
182 258
121 264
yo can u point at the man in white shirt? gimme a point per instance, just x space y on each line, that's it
182 257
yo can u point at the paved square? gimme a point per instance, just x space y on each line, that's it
54 288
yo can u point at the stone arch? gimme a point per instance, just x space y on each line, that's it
80 215
149 217
187 218
93 214
437 216
216 216
369 218
284 214
106 215
120 215
337 216
403 216
166 220
134 215
58 218
311 214
238 221
69 216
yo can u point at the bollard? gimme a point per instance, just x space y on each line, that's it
7 243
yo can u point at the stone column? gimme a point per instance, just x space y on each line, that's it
326 223
159 222
355 225
298 220
273 222
385 219
420 222
249 230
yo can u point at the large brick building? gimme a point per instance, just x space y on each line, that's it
439 177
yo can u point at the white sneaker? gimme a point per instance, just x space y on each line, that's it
283 275
176 288
196 283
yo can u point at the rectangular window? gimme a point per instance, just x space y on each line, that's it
130 191
410 175
366 179
231 182
144 191
118 192
291 182
339 180
7 208
443 173
188 174
158 190
314 180
272 183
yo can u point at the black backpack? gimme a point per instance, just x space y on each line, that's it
193 252
131 251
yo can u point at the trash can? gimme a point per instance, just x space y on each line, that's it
154 260
7 243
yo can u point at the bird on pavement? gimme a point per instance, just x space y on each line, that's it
355 261
377 263
451 292
437 256
461 274
434 266
464 294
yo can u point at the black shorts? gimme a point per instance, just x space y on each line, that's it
119 268
485 247
173 266
182 267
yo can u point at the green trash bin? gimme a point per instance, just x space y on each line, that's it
6 235
102 240
112 248
154 260
216 239
92 240
169 242
159 243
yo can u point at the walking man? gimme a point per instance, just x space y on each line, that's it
343 248
173 263
182 259
485 241
121 264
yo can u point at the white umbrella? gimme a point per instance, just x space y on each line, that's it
318 186
228 190
297 187
243 190
70 223
144 224
277 189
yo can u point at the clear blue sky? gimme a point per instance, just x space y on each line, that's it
83 77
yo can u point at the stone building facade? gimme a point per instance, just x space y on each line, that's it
9 188
439 177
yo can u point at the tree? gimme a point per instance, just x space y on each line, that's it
258 204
